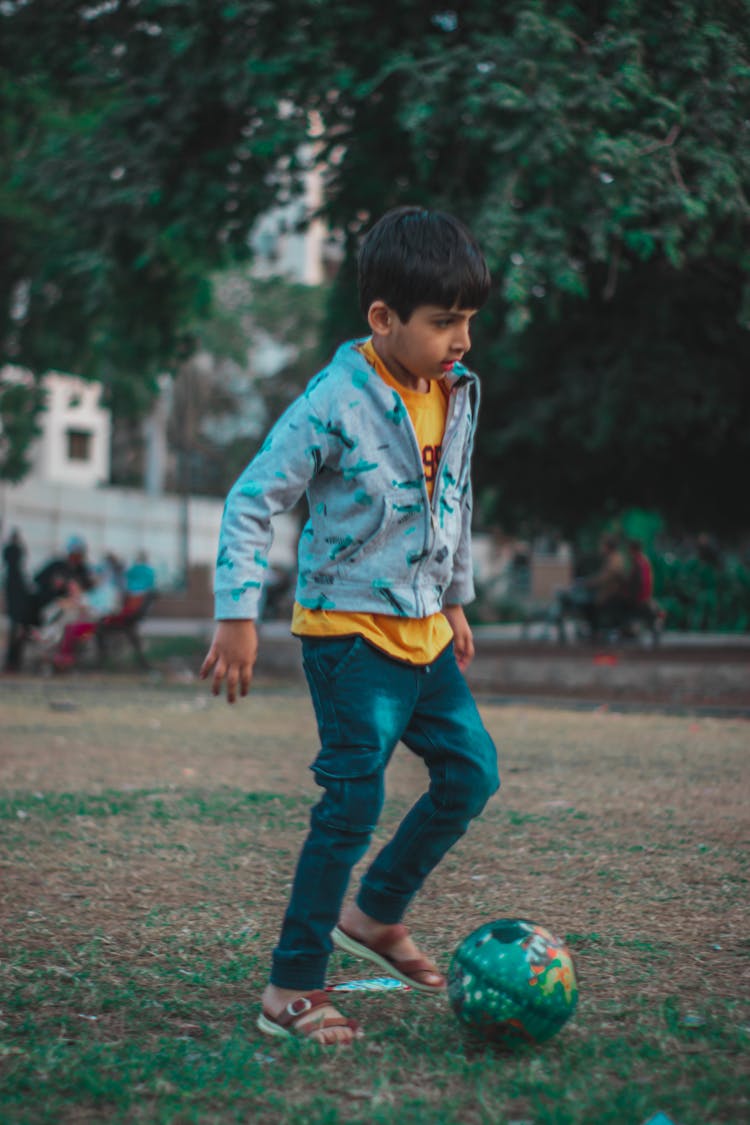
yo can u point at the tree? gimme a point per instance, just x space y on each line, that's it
601 151
599 148
138 143
638 401
21 399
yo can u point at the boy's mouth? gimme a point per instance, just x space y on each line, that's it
447 365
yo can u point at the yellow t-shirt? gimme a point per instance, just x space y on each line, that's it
417 640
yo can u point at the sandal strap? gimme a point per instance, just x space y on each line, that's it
300 1007
408 967
415 965
387 938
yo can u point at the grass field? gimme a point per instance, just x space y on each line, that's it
148 835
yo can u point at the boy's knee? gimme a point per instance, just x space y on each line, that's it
350 804
485 784
475 783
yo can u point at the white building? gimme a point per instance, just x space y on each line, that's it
66 493
74 445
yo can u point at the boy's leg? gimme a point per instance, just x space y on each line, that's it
446 730
363 703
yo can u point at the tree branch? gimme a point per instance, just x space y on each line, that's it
613 272
668 141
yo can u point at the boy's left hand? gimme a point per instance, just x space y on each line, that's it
463 640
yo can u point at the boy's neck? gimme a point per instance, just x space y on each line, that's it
396 370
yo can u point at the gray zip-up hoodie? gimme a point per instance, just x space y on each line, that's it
374 542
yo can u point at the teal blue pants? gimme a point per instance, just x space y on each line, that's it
365 703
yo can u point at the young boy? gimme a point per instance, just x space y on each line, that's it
381 441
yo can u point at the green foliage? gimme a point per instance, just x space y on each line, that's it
137 146
644 525
602 154
700 592
20 405
700 597
641 402
600 151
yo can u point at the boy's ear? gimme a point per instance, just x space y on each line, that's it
380 318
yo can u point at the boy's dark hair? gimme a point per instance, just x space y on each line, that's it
413 257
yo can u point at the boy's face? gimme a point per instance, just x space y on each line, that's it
425 347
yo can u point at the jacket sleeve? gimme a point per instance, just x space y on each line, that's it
293 452
461 590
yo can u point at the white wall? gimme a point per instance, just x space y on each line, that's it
124 521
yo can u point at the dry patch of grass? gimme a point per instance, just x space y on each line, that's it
148 837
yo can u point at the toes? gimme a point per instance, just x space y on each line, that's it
331 1036
427 976
327 1036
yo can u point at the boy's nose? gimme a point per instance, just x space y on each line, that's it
462 340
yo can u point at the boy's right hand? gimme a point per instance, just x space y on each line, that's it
231 656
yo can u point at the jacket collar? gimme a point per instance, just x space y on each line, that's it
349 356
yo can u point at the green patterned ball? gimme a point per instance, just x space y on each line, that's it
512 981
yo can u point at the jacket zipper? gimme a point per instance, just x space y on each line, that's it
431 529
431 521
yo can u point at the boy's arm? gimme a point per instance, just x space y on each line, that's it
231 657
273 482
461 588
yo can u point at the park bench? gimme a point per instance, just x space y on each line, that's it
125 625
564 621
621 624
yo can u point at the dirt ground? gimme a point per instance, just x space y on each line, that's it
606 823
148 834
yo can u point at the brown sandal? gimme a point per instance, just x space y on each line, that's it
404 969
285 1024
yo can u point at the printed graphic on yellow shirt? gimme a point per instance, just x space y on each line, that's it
431 460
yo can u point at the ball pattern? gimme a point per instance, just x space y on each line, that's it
513 981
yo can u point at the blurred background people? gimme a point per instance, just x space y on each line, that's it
54 578
602 595
19 606
140 577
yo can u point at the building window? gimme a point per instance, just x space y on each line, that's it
79 445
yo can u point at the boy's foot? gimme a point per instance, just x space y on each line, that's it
390 947
306 1015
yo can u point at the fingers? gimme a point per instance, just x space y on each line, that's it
208 663
465 651
236 675
218 664
213 661
232 676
